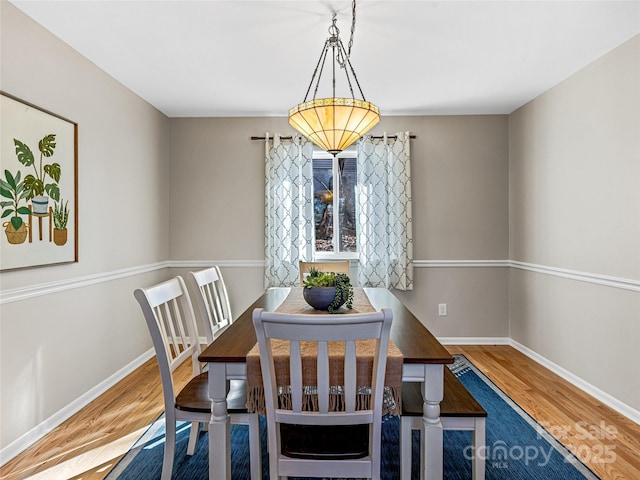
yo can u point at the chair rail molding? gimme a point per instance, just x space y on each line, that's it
459 263
24 293
596 278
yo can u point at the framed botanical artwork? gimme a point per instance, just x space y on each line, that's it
38 186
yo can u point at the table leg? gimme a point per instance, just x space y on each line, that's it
433 392
219 425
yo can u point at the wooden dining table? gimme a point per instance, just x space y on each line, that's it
424 360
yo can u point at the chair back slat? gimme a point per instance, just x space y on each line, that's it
225 305
295 374
166 325
323 377
211 301
350 388
178 333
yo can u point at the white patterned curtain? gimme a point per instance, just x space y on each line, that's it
385 238
289 227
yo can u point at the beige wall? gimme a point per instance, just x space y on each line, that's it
56 347
575 205
460 207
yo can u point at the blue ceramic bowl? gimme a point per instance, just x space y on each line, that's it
320 297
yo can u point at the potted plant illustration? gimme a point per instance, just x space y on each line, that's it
13 189
35 185
327 290
60 219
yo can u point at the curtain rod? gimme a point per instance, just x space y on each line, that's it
375 137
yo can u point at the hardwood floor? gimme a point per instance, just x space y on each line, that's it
607 442
90 443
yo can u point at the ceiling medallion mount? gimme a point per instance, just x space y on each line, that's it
334 123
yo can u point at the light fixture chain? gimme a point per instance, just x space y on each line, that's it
355 78
346 71
353 27
320 64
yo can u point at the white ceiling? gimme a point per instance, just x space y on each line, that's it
256 58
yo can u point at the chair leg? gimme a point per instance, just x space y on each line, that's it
478 439
169 448
422 467
273 444
193 438
375 445
405 447
255 448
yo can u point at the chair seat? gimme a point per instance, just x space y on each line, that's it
319 442
194 397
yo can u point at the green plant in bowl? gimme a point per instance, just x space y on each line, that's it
335 289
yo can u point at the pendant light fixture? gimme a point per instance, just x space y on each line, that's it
335 123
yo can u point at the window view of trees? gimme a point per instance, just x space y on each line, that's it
334 189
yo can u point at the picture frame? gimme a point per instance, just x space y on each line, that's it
38 186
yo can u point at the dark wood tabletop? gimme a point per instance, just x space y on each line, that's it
414 340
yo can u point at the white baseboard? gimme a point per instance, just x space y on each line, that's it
474 340
621 407
19 445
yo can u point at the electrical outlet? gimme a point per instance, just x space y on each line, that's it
442 309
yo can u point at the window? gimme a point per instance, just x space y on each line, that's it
334 190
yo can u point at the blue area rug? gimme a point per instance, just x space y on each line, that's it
517 446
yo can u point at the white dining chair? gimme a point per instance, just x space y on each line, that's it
169 315
210 300
336 267
320 442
